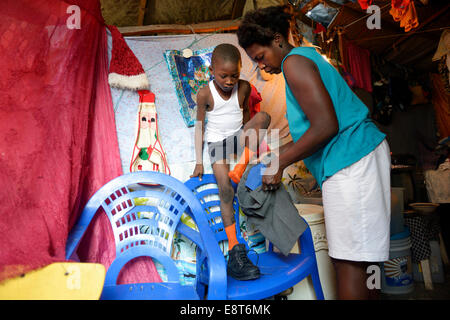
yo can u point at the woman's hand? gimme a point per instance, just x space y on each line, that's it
271 181
198 171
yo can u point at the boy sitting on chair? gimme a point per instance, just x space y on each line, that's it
224 105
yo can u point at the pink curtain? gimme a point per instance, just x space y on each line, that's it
58 142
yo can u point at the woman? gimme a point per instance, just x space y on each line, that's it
340 145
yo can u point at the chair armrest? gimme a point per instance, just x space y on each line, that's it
217 288
217 271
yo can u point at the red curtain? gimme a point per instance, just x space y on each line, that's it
358 64
58 141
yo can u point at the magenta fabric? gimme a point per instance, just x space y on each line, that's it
58 141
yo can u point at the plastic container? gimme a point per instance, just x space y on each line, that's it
304 290
397 273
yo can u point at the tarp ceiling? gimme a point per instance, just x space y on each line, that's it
414 48
391 42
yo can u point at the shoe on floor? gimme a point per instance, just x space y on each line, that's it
239 265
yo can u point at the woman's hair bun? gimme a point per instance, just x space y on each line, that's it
260 26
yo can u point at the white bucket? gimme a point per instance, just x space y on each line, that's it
396 273
304 290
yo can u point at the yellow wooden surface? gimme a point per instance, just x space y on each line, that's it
57 281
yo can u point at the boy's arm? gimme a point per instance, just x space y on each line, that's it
199 132
244 95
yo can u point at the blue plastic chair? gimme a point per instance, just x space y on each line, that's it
152 236
278 272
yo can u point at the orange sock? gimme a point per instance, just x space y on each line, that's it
239 168
231 234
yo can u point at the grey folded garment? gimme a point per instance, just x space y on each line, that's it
273 213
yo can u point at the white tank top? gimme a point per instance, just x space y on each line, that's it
226 117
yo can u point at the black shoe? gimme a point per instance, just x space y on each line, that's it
239 265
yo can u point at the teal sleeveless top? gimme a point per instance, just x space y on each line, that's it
357 135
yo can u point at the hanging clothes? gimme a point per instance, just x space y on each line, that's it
400 4
364 4
404 11
443 46
442 55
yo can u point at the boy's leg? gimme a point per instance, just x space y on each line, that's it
226 195
250 141
254 131
226 192
260 121
238 266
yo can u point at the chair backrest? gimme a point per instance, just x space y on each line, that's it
207 192
144 210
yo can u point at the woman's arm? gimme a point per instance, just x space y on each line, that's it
305 82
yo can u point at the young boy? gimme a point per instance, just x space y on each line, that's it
224 104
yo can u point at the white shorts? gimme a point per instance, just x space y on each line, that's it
357 208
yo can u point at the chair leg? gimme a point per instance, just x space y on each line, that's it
317 285
426 271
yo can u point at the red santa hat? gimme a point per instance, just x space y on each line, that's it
125 70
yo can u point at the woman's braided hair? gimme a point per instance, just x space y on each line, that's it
260 26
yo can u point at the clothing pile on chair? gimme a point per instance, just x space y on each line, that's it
273 213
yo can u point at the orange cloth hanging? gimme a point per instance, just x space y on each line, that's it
400 4
404 12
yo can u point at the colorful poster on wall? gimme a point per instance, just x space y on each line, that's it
189 73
